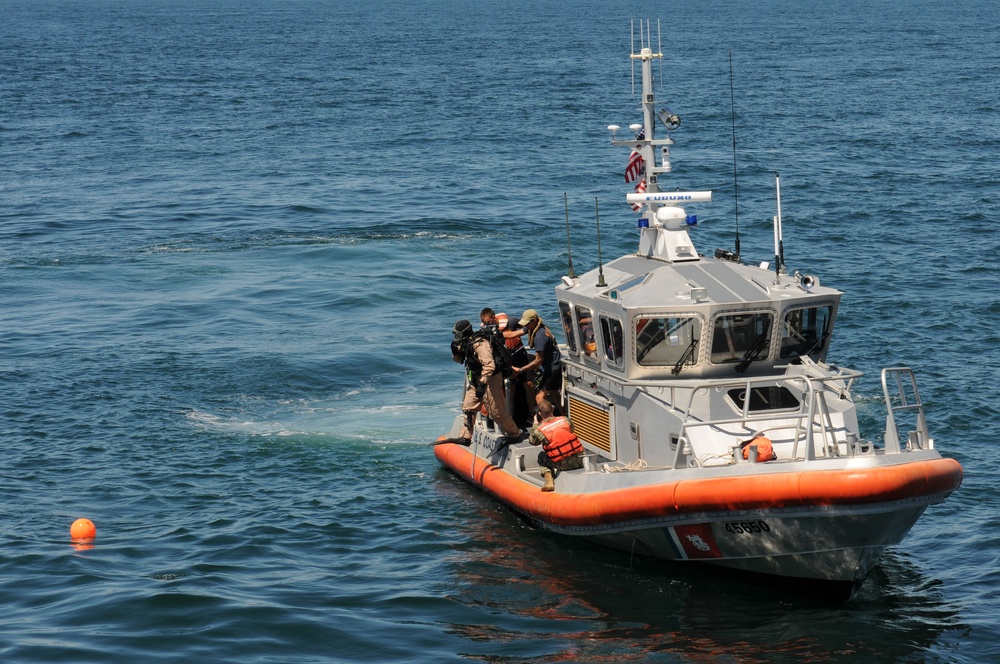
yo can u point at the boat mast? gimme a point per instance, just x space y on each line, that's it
662 223
644 133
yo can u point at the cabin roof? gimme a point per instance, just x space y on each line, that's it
640 282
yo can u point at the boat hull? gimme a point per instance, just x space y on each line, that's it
827 526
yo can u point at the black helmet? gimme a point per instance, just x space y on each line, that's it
462 330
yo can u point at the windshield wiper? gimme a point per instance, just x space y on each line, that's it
818 345
688 352
753 353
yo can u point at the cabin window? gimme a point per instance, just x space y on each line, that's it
614 346
769 397
742 338
566 316
587 336
667 341
805 331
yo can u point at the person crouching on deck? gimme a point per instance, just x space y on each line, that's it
485 384
561 449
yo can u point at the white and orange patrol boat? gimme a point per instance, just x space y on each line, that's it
682 373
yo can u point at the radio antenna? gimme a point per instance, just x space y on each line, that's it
569 248
659 49
779 245
632 50
600 261
736 184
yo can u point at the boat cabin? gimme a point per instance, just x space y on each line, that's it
656 319
673 339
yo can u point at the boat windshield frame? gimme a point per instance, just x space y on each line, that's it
676 337
744 339
801 335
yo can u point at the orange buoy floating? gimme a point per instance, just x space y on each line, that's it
82 529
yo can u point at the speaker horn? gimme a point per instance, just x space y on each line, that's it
808 282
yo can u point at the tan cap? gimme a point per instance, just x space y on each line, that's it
528 316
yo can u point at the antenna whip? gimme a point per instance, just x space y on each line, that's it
781 242
600 261
569 248
736 185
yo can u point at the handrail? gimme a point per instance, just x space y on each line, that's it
848 375
813 380
917 439
812 405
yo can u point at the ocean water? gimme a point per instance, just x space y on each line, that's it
234 237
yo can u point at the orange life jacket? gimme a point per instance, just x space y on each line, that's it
513 343
765 452
561 443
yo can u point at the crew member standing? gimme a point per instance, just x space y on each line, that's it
485 385
522 397
561 449
547 358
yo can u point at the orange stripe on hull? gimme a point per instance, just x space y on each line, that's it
776 490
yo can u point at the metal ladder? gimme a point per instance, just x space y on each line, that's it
899 386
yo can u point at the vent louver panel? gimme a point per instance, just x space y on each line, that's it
591 424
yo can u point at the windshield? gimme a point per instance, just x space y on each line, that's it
742 338
805 330
667 341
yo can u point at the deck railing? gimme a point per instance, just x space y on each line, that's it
899 386
815 435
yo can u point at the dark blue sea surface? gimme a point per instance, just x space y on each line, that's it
234 237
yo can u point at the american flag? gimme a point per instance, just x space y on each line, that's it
640 188
636 164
